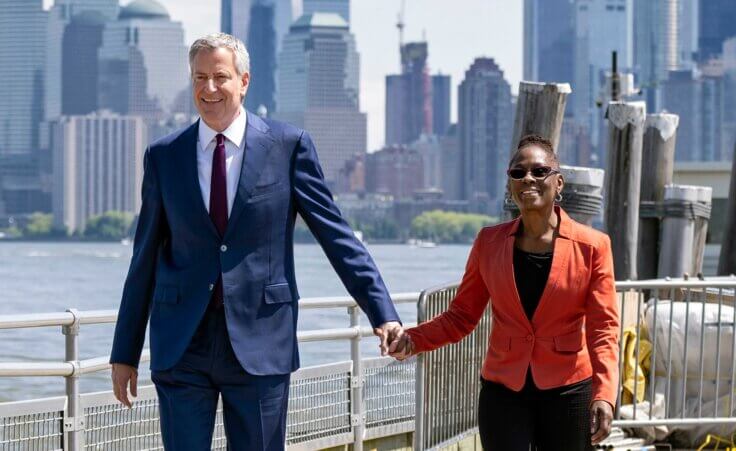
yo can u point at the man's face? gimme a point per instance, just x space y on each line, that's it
217 88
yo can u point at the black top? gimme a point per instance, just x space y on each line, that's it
530 273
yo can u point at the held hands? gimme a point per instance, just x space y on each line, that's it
121 375
394 341
402 348
601 415
387 333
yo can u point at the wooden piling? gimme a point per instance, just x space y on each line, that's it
623 181
727 259
540 109
682 246
658 156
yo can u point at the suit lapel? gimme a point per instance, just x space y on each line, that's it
257 144
190 180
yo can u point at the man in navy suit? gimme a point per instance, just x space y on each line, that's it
213 264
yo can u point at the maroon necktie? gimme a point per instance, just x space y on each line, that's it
218 205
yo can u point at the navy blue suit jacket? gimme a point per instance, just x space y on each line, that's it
178 254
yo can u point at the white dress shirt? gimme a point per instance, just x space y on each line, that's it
234 150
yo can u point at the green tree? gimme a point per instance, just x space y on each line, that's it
39 224
111 225
448 226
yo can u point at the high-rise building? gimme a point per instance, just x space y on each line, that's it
262 49
485 126
98 166
79 76
549 40
657 46
262 26
441 88
452 164
23 38
143 62
319 82
687 31
341 7
601 27
698 97
59 17
717 20
396 170
409 97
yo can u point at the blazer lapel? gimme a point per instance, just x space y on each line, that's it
560 259
190 180
257 144
508 268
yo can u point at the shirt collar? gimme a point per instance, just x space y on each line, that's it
235 133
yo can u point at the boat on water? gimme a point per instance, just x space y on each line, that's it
424 244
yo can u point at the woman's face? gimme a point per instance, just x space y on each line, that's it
535 193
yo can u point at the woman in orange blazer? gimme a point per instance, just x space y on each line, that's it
551 371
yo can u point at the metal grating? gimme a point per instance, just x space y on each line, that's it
389 391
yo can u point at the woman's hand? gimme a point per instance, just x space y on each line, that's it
601 416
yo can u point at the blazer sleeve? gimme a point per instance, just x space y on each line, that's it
346 253
130 328
602 324
464 312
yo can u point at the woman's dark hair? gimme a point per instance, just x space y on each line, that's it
538 141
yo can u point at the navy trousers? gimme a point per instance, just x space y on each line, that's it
254 407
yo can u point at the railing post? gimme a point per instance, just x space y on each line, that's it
357 417
74 416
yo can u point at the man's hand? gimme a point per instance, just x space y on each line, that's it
387 333
402 348
121 375
601 415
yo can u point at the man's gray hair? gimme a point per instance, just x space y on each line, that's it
222 40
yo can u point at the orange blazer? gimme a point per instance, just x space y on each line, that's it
575 329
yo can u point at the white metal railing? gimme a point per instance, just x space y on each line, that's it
79 421
691 383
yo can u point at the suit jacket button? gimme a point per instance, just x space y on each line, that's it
212 286
529 338
223 248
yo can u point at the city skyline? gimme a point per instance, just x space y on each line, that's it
491 28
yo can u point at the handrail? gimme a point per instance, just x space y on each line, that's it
24 321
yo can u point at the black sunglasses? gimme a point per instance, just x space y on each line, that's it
539 172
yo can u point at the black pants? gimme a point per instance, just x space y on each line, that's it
542 420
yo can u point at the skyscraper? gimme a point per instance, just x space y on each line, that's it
341 7
549 39
441 87
601 26
262 26
79 78
59 16
262 49
698 96
98 166
319 82
23 37
485 126
143 61
409 97
657 46
717 23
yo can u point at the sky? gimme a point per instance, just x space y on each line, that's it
458 31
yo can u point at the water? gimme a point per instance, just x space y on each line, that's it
52 277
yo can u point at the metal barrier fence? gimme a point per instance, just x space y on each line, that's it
329 405
677 363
